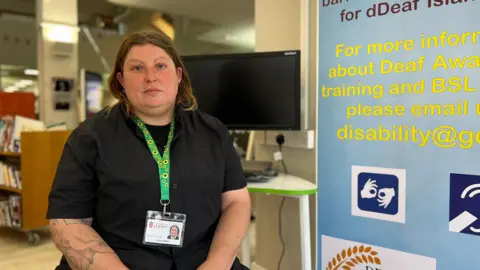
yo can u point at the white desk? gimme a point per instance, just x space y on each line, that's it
290 186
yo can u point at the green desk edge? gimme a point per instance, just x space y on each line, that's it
283 191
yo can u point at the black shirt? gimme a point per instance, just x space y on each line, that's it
107 172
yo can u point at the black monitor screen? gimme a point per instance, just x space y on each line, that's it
253 91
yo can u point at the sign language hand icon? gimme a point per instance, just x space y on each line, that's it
369 189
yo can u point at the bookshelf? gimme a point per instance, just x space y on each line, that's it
9 154
38 160
11 189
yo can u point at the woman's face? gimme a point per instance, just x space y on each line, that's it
173 231
150 78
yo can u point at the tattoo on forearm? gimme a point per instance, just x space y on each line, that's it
82 245
86 221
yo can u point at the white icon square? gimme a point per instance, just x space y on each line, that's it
379 193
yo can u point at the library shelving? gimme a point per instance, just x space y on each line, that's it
37 162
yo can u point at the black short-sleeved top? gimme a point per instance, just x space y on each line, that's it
107 172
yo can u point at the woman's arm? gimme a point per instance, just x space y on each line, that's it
82 247
231 230
72 197
235 217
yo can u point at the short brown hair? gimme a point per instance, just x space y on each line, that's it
157 38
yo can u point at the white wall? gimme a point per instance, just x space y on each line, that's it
278 27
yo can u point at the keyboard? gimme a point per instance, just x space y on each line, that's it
260 176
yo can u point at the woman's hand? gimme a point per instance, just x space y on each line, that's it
211 265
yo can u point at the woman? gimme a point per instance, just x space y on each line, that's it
152 154
174 230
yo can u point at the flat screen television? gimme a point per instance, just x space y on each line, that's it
248 91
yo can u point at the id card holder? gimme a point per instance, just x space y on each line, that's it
164 229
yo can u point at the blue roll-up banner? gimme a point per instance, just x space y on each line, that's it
399 134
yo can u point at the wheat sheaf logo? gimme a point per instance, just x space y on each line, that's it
351 257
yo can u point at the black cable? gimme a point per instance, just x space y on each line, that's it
280 141
284 167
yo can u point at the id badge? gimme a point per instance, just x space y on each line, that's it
164 229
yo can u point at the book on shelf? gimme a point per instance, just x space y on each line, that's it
11 128
10 211
10 175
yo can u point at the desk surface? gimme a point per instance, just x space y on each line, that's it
284 185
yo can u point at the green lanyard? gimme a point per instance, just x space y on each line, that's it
162 163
